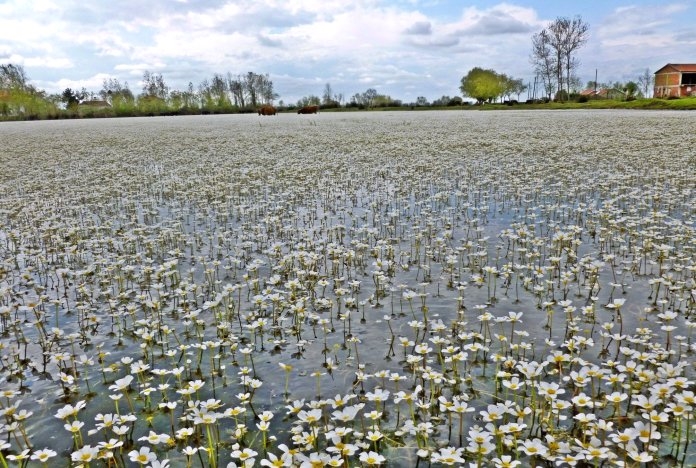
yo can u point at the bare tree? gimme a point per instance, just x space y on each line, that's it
554 49
251 82
544 61
576 32
556 36
154 86
236 87
327 96
646 81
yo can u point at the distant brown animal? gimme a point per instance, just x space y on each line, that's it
266 110
308 110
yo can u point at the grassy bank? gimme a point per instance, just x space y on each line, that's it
46 113
652 103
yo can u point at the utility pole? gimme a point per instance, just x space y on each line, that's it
595 82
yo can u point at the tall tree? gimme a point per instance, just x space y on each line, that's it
236 87
556 38
154 86
544 61
576 35
555 48
265 85
645 81
327 96
251 82
218 90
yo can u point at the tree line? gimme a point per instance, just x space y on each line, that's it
222 93
17 96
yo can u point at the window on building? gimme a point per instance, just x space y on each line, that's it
688 79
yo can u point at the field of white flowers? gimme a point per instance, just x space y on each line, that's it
484 289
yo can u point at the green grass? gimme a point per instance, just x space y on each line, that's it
38 112
652 103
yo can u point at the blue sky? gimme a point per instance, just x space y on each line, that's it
403 48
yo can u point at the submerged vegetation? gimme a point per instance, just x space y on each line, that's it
490 289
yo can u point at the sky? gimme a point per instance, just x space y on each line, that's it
401 48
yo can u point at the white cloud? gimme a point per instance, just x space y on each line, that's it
93 83
632 38
48 62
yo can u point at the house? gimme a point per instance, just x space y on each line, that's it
675 79
603 93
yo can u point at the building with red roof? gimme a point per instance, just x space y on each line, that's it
675 80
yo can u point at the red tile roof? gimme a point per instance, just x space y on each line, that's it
680 67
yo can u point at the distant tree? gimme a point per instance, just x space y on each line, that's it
13 77
214 93
356 100
384 100
86 95
576 35
441 101
154 86
268 95
187 100
69 97
565 36
631 89
645 82
481 84
329 99
21 98
369 97
544 61
236 87
327 96
422 101
117 94
219 89
251 88
517 87
310 100
205 95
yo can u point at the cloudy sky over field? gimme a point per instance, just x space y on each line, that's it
403 48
